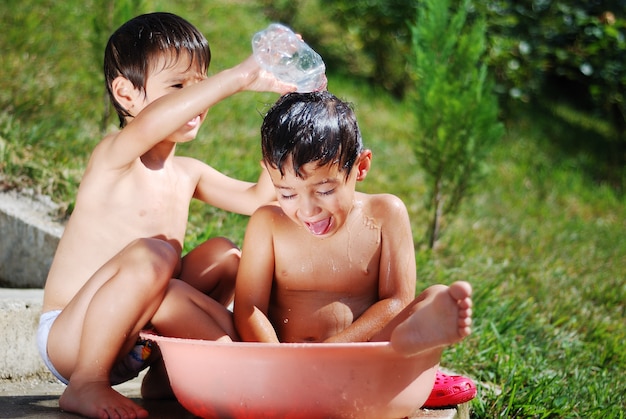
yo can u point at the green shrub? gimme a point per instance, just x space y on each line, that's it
455 109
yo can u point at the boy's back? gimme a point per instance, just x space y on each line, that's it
114 207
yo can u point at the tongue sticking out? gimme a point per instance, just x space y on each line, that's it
319 227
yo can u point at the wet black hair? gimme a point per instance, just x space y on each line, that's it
310 127
132 50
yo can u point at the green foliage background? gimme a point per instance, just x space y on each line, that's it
540 52
542 241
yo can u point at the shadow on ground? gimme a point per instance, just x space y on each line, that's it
47 406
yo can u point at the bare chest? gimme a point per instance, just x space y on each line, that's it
343 263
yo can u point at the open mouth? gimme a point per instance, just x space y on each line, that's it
321 227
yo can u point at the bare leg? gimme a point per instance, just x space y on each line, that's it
440 316
185 312
103 321
212 268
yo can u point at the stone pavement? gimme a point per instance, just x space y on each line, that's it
38 397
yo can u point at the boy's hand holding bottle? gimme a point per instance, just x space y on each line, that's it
280 51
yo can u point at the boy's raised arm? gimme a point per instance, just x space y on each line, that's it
230 194
167 114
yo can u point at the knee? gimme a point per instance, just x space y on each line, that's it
228 265
231 255
151 259
226 249
220 255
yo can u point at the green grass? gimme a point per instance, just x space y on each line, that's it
542 241
545 249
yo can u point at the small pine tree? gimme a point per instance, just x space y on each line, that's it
455 108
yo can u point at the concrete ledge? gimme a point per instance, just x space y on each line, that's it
19 316
28 239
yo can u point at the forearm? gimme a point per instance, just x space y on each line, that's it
370 323
193 100
186 103
264 190
255 328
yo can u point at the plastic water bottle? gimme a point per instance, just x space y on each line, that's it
281 52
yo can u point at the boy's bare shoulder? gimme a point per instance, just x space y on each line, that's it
104 143
190 164
266 217
103 154
269 210
385 204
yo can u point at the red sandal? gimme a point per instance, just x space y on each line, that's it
450 390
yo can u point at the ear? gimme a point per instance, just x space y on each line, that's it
363 164
125 93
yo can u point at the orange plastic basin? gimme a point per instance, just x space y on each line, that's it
293 380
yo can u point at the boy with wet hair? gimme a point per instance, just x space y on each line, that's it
113 271
329 264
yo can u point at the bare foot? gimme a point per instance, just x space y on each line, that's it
99 400
156 384
442 317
